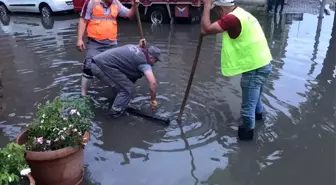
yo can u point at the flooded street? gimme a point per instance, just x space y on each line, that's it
294 145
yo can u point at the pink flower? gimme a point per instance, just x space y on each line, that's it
40 140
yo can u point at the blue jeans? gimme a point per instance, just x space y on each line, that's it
252 84
270 5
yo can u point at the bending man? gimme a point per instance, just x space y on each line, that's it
121 67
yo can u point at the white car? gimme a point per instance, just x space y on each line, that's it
46 7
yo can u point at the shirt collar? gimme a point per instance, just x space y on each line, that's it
103 4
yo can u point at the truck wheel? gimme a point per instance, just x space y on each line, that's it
3 9
45 10
158 15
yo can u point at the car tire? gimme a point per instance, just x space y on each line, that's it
45 10
3 9
158 15
5 18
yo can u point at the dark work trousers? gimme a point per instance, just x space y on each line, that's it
118 80
282 3
93 49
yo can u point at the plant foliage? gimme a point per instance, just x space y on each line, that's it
59 124
12 163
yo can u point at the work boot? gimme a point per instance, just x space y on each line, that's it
115 113
244 133
258 116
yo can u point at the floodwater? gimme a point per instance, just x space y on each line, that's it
294 145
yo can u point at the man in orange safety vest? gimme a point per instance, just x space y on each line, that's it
99 19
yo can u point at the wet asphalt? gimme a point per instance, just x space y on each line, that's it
295 144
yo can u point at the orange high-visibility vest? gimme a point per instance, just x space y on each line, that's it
102 27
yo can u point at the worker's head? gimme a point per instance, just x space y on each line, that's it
223 7
154 54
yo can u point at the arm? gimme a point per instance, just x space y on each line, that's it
152 83
86 15
124 11
206 27
131 12
81 28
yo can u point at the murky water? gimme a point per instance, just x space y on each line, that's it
294 145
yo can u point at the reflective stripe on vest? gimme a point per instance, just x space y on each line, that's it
247 52
101 26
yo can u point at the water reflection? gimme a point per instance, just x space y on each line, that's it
39 60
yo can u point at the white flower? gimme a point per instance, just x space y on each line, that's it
78 113
71 125
56 139
25 171
43 116
62 137
10 179
9 156
64 128
75 130
73 111
42 121
48 142
80 133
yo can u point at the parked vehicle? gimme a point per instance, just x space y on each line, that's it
45 7
161 11
47 28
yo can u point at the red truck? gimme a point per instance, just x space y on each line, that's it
161 11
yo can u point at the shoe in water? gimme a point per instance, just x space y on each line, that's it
258 116
245 134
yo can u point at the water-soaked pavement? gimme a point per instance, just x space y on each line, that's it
294 145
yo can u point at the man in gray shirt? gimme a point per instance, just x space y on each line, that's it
121 67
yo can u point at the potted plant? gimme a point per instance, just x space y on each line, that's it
14 166
56 139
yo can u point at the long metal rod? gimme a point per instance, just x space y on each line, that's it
323 3
139 21
200 40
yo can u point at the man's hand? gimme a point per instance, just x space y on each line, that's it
207 2
142 43
154 105
135 2
80 45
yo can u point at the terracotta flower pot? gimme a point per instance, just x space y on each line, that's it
58 167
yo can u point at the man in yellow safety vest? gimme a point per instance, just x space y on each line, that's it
244 51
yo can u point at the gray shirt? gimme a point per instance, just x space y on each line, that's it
128 59
87 15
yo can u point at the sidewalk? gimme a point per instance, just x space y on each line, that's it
302 6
